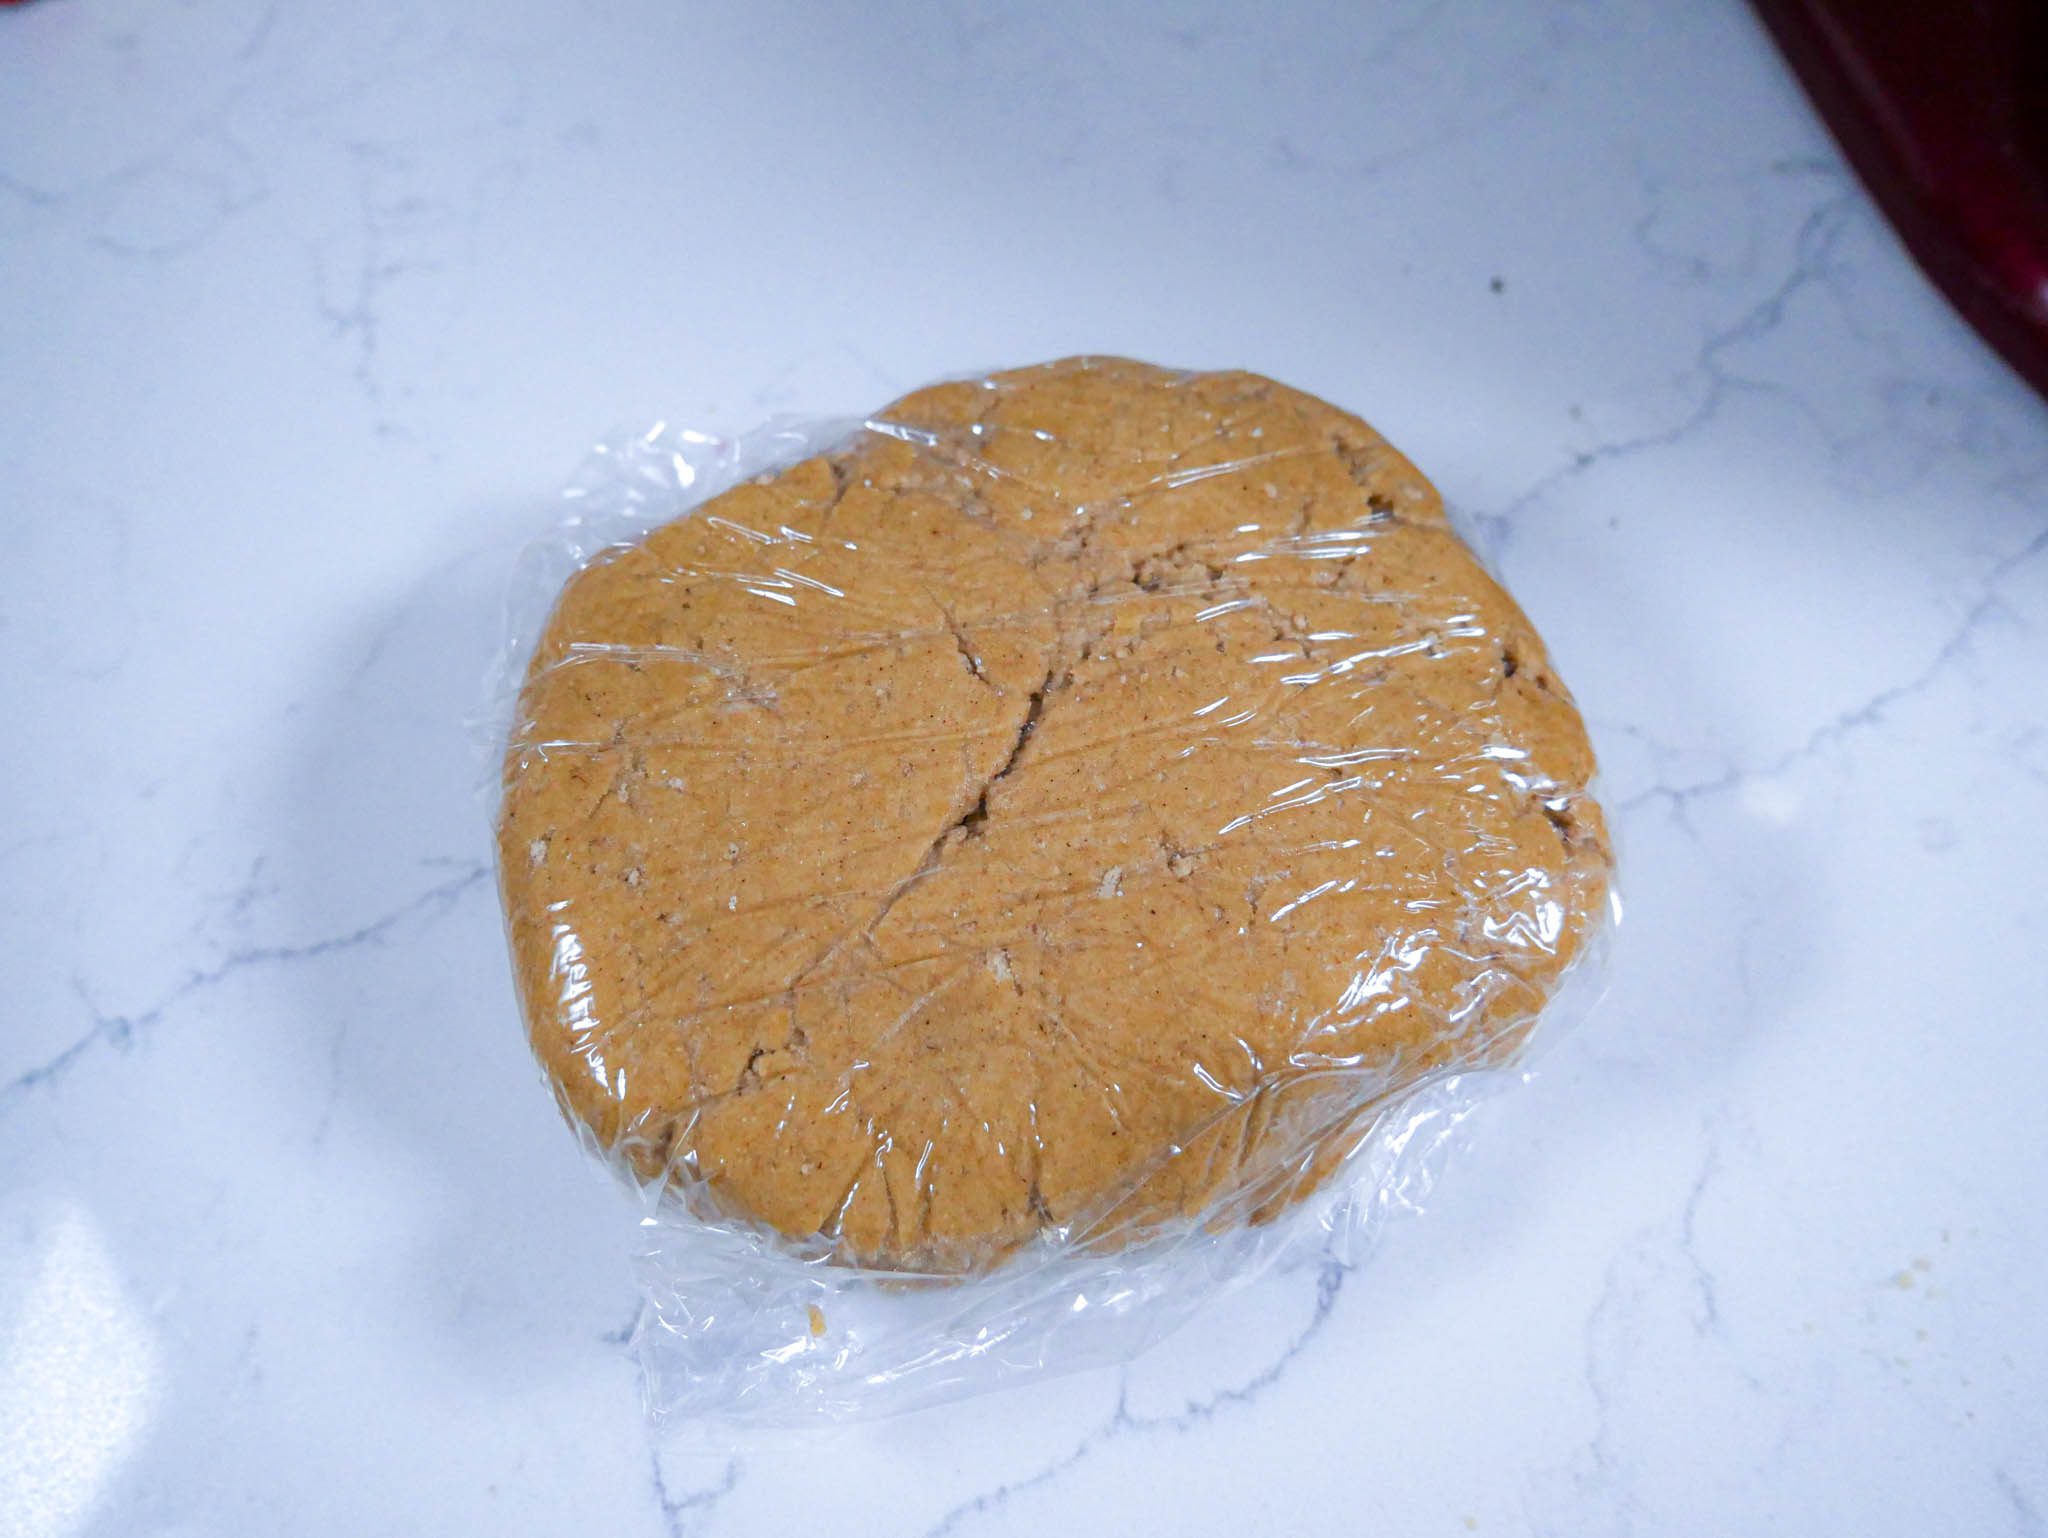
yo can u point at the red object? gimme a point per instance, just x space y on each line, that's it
1943 111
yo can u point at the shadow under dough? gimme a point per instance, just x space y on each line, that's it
410 1041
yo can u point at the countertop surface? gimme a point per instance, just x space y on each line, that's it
306 312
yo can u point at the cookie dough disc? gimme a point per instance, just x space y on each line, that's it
1074 805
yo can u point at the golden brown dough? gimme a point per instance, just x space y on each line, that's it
1074 805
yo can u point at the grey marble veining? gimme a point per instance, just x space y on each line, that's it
305 312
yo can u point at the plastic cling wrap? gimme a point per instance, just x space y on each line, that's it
993 874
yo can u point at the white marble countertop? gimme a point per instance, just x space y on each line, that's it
305 312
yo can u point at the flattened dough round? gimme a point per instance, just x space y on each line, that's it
1073 806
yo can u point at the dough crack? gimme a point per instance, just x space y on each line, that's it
959 634
968 823
971 820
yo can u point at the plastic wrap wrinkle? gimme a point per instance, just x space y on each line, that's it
996 874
